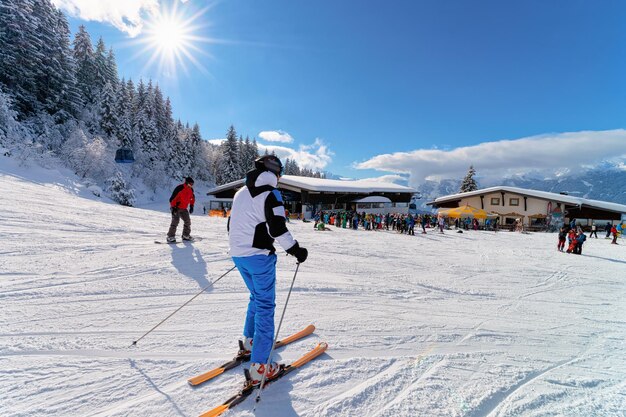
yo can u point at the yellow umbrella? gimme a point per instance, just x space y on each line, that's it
467 211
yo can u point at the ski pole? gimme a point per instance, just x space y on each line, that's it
192 298
269 359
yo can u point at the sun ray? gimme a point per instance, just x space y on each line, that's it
172 41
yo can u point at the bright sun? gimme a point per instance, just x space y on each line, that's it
168 34
171 39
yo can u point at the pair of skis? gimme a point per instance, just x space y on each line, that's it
194 239
249 388
242 357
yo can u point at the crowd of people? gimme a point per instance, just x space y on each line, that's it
400 223
407 223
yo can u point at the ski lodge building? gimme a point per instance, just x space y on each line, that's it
306 196
536 209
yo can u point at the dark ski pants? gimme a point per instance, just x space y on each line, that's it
561 244
594 232
578 249
180 214
259 274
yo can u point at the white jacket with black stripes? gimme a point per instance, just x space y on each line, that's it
257 217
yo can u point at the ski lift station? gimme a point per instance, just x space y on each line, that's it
306 196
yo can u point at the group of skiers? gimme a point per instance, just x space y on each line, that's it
257 219
575 236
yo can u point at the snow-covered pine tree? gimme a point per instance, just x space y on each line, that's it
102 75
469 184
130 90
85 65
139 98
229 170
10 129
242 157
255 149
171 145
111 68
109 116
71 101
195 141
20 54
146 138
180 163
291 167
120 191
123 109
160 118
247 156
55 74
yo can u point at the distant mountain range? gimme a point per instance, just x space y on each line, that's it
606 183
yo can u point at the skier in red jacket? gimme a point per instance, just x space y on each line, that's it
181 198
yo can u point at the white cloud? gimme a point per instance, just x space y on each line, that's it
216 141
276 136
126 15
387 178
315 156
493 160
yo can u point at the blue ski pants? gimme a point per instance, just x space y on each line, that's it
259 274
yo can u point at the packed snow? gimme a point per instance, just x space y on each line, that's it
471 324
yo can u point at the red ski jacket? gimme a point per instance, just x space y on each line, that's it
182 197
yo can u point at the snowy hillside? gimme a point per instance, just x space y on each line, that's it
472 324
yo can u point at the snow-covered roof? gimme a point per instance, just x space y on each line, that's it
354 186
568 199
372 199
228 186
326 185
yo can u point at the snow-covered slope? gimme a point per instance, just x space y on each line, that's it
472 324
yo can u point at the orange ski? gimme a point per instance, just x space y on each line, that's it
245 357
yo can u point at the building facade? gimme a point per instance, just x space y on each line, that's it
534 208
306 196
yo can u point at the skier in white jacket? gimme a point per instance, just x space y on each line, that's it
257 218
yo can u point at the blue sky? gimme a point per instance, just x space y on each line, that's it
368 88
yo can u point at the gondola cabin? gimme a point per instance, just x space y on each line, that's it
124 156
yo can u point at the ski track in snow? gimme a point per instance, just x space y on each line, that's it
477 324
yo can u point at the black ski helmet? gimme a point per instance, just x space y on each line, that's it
269 163
189 180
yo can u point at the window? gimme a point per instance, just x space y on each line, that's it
220 205
514 202
495 201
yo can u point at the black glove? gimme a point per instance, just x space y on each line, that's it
300 253
174 210
191 209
